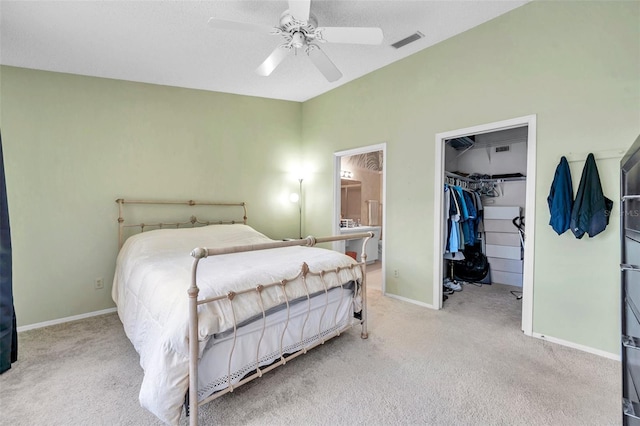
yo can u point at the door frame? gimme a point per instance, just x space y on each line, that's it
528 278
337 157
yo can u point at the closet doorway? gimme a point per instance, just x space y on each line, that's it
492 166
359 205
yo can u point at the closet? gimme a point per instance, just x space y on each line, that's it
489 171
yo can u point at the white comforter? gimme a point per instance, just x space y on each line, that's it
153 273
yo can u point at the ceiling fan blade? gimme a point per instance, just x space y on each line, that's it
239 26
272 61
300 9
323 63
355 35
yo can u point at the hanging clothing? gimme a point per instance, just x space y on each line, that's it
446 203
462 202
8 330
454 219
460 211
469 225
479 211
560 199
454 242
591 209
463 214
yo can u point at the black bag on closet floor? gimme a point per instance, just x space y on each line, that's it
475 265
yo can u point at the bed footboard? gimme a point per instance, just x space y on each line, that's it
281 286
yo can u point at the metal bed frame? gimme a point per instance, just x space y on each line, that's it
191 402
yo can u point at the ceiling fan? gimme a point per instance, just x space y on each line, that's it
300 30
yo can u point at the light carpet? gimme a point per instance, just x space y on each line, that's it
468 364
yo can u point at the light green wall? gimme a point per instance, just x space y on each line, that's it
574 64
73 144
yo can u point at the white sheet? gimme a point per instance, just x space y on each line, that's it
150 289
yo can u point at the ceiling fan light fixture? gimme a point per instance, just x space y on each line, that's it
298 40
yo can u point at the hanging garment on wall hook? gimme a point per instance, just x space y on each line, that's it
591 209
560 198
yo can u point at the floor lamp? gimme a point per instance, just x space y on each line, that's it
297 198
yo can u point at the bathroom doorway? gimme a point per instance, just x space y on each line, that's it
359 203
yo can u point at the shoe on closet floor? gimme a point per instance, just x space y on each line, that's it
452 285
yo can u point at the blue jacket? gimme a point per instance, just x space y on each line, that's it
560 198
469 225
591 209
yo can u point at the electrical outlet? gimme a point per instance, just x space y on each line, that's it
99 284
396 273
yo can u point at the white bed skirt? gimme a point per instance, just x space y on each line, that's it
214 368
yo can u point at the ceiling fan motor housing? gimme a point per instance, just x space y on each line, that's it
297 32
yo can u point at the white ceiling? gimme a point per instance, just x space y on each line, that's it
170 43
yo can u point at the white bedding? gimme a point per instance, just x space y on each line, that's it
152 276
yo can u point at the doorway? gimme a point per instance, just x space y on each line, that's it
528 122
360 203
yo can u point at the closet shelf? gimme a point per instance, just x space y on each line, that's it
505 179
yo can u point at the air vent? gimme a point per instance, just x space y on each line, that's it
413 37
502 148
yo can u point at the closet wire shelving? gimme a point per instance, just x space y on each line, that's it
485 186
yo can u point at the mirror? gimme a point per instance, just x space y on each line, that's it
350 199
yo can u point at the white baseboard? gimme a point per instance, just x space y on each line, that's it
63 320
404 299
583 348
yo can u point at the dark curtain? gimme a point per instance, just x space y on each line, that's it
8 332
